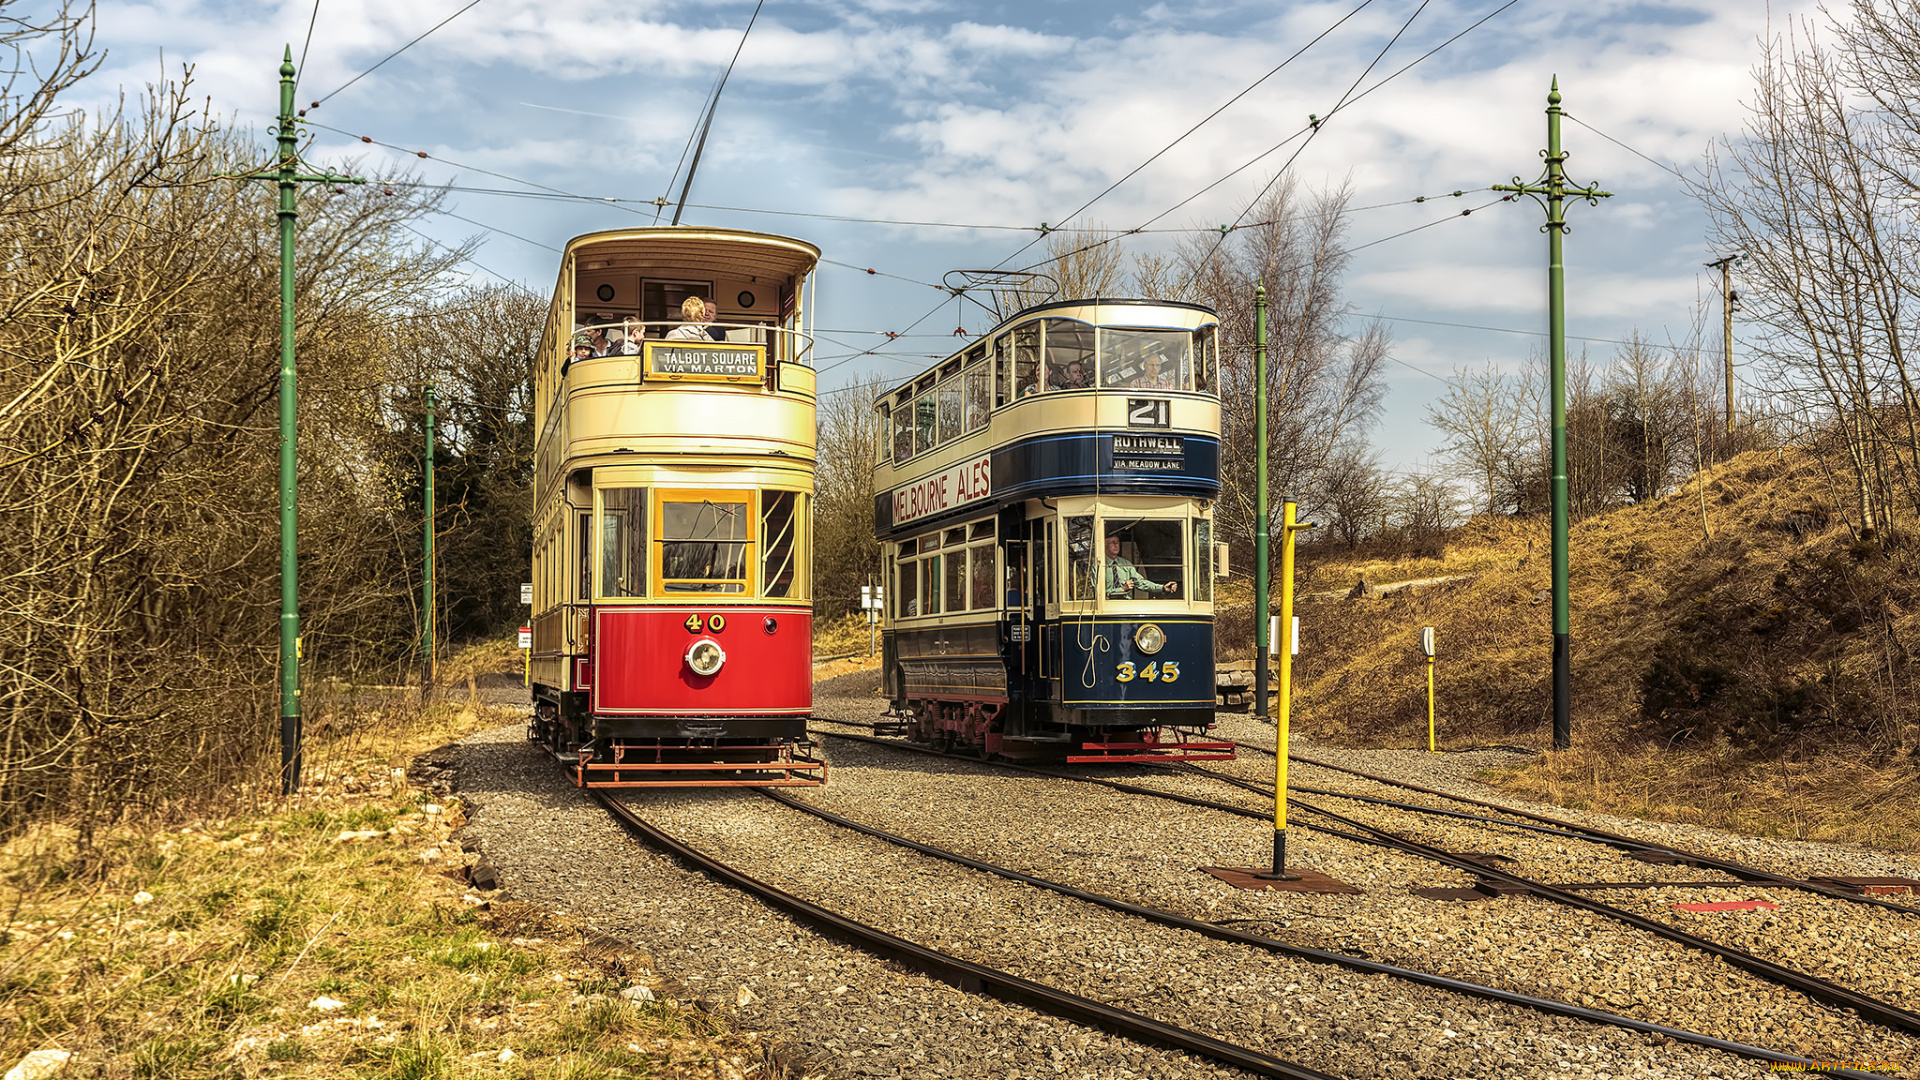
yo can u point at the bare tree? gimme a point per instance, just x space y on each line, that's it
1354 495
1483 415
845 551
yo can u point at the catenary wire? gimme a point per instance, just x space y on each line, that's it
1663 166
1157 154
470 6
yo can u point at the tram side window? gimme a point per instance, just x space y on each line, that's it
930 585
623 542
1069 355
1002 370
586 557
979 398
1079 545
956 575
703 545
1146 359
1206 359
1202 561
902 429
950 418
780 544
906 603
1026 360
925 410
981 576
1144 560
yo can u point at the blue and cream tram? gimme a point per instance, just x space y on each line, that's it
1044 501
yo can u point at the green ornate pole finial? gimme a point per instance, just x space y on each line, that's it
1551 191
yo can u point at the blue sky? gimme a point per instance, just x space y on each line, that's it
1003 114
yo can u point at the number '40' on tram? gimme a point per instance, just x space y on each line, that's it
1044 501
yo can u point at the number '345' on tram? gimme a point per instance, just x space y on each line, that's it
1044 500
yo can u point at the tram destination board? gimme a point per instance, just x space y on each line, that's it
1149 453
717 361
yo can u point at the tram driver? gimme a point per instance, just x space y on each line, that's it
1124 580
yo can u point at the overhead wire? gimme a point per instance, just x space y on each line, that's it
1656 163
1157 154
322 101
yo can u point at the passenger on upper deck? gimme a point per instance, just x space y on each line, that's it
1071 377
713 315
694 311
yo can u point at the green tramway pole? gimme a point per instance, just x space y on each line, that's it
1261 643
286 176
1551 191
427 563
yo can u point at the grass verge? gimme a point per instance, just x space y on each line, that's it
333 934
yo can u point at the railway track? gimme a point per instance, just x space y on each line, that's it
963 974
1879 1012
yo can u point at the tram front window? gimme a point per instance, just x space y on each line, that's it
623 542
703 546
779 570
1144 560
1145 359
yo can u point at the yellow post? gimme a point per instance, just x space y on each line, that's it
1432 748
1284 709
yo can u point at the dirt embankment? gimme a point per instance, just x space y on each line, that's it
1740 656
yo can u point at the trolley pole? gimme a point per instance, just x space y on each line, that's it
1551 191
1262 645
286 175
1726 326
427 563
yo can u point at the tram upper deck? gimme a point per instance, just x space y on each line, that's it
623 373
1117 397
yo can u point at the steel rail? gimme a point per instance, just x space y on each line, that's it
1602 836
964 974
1873 1009
1218 932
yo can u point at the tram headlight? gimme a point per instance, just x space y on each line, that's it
1149 639
705 656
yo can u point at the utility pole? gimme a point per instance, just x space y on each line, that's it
1551 191
1262 645
1727 298
286 175
427 563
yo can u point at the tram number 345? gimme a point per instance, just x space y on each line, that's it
1166 672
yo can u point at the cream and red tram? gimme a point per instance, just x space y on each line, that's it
1044 502
672 627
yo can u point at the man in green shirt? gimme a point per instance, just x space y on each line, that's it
1123 579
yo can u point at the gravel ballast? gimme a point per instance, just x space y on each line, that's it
848 1014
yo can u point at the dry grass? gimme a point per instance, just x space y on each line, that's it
200 948
837 637
1757 678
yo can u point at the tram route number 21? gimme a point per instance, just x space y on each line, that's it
1166 672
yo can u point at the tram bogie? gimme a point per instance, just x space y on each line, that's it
1044 499
673 521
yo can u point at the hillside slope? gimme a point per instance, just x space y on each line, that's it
1757 673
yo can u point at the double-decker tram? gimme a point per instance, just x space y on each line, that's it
672 627
1044 499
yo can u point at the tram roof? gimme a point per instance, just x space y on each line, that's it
1041 309
731 251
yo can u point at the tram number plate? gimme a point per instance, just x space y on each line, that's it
1167 672
1149 412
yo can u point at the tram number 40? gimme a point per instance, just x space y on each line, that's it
1166 672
